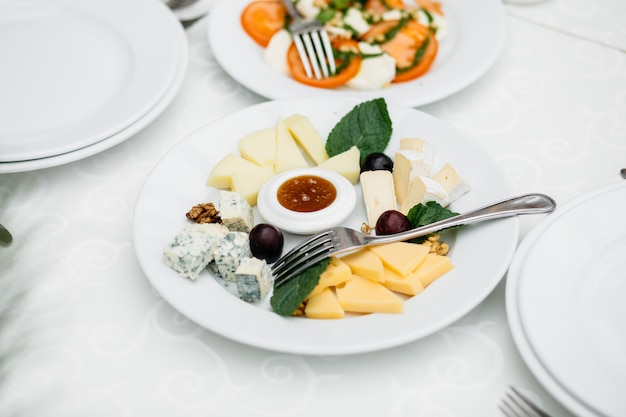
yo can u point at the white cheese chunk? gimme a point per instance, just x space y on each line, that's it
408 164
254 279
307 9
420 145
275 54
235 212
452 183
354 19
192 248
378 194
375 72
228 254
434 192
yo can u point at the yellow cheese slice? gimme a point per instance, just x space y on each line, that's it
409 285
360 295
308 137
401 257
433 267
220 176
259 147
288 154
346 163
249 185
366 264
324 306
336 273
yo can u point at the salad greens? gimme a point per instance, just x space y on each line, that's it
368 126
423 214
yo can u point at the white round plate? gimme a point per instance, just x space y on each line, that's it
181 69
476 32
76 72
480 253
565 302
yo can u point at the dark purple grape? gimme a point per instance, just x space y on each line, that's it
266 242
377 161
392 221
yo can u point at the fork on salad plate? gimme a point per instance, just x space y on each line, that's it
340 240
312 43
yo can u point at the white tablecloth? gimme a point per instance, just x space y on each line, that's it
83 334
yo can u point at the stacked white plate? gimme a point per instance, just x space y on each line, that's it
78 77
565 302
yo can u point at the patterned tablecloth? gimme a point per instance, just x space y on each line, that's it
84 334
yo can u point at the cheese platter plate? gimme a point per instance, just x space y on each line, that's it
480 253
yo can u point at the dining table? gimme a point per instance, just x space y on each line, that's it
84 333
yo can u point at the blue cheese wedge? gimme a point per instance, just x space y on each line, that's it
254 279
235 212
228 254
192 248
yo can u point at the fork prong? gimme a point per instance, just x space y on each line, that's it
301 249
328 51
516 404
297 40
297 261
312 57
320 53
302 264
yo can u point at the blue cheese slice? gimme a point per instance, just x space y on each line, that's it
254 279
192 248
228 254
235 212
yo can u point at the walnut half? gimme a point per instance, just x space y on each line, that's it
204 213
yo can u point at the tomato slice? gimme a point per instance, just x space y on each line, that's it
423 65
261 19
378 7
347 65
430 6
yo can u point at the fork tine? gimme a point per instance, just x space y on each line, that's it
328 51
302 249
320 54
516 404
303 56
311 55
303 263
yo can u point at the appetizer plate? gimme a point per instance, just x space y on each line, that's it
476 33
565 302
78 72
480 253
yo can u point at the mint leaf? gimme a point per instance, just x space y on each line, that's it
423 214
368 126
288 297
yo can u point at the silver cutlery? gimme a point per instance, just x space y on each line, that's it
340 240
179 4
516 404
312 43
623 173
5 236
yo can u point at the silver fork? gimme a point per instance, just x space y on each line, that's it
516 404
341 240
312 43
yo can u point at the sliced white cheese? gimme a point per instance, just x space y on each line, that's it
420 145
378 194
307 136
288 154
275 54
434 192
414 196
452 183
375 72
259 147
355 20
346 163
408 164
